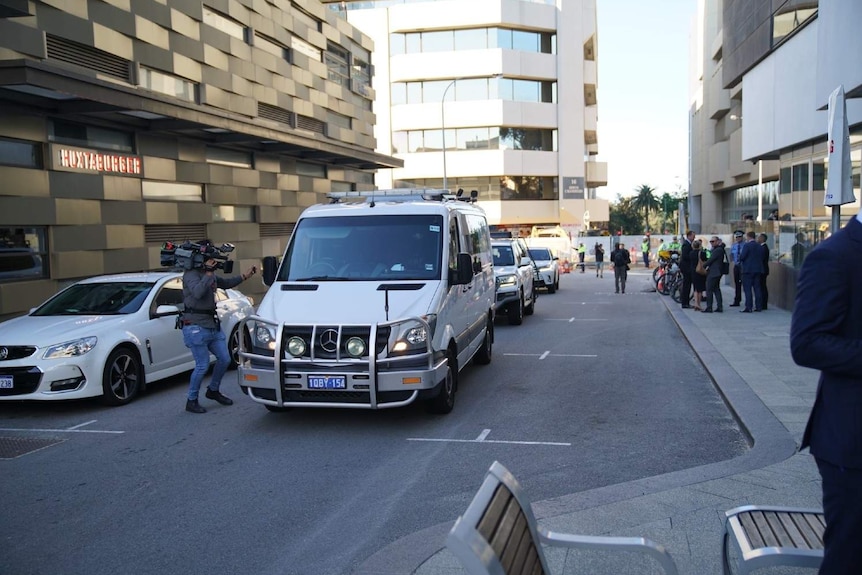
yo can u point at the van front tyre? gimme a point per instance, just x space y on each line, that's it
483 356
444 402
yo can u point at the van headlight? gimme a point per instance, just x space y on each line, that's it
508 280
415 338
264 336
355 347
296 346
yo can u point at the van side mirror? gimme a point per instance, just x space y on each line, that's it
270 266
464 273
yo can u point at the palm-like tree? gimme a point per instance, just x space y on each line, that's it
646 201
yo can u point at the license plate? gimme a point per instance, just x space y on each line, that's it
6 382
327 382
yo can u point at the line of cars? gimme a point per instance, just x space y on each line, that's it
520 272
106 337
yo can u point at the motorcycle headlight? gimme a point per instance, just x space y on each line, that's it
508 280
264 336
70 348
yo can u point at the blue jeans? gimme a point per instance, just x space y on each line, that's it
203 341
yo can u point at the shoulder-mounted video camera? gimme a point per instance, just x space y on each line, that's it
190 256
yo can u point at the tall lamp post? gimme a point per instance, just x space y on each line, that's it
443 125
759 180
443 119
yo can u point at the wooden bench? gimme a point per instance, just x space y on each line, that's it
765 536
498 534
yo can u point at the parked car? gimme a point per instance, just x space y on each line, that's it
549 267
514 274
106 337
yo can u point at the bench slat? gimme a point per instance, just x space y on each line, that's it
812 526
504 528
491 517
795 537
751 530
765 530
510 548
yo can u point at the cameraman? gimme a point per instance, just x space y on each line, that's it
201 331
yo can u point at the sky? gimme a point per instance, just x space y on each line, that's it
643 93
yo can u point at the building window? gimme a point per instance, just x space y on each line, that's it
225 24
472 39
225 157
300 15
789 19
168 84
478 138
172 191
23 253
360 71
303 47
233 214
20 153
527 188
337 59
339 120
70 133
271 46
309 169
474 89
342 186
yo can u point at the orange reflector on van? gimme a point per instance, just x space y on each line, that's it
411 380
249 377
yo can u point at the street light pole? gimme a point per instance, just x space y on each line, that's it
759 191
443 125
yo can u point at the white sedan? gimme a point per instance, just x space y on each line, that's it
549 267
106 337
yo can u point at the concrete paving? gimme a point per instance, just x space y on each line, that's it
748 357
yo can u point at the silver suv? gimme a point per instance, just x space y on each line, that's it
513 271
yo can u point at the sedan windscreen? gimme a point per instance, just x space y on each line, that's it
540 254
365 248
97 298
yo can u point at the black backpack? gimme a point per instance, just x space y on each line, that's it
620 258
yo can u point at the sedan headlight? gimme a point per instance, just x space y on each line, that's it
508 280
70 348
547 268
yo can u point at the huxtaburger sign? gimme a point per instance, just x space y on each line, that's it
71 159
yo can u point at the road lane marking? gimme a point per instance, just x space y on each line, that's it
546 354
572 319
73 429
483 439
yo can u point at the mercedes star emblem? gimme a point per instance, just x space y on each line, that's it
329 340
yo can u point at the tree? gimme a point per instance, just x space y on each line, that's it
623 216
646 202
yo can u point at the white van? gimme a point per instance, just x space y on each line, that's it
381 298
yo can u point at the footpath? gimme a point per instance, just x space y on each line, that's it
748 357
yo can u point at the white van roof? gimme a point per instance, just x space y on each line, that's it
422 201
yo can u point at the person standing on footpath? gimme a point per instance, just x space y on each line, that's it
735 249
621 260
751 259
698 281
645 251
686 266
201 331
761 239
600 260
713 276
582 254
826 334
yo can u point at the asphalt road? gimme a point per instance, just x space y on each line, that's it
593 390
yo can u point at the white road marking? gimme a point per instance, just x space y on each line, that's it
61 430
572 319
482 439
542 356
82 424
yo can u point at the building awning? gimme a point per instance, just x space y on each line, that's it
26 85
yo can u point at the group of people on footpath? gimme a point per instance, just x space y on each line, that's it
702 268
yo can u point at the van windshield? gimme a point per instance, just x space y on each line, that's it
365 248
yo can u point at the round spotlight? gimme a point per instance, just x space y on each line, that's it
296 346
355 347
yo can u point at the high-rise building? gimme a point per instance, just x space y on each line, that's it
763 72
125 124
497 96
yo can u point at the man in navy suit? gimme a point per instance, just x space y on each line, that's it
751 260
826 334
